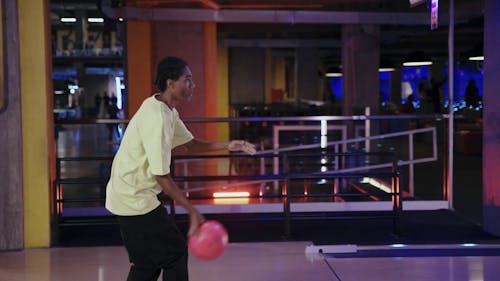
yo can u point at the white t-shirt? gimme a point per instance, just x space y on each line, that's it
144 153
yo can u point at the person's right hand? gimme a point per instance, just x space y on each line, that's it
241 145
195 219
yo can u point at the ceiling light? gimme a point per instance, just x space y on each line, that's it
386 65
477 58
417 58
68 19
95 20
417 63
333 74
334 71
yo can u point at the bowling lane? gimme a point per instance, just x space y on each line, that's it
451 268
276 261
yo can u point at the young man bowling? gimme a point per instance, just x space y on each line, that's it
141 170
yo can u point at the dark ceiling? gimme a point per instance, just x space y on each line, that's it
315 23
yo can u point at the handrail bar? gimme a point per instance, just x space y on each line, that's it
296 154
283 176
85 158
270 118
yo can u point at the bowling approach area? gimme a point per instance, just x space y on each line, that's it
432 245
267 261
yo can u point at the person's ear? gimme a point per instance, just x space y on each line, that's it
168 83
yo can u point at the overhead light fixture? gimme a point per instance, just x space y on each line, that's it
417 59
335 71
68 19
474 54
477 58
386 65
333 74
417 63
386 69
95 20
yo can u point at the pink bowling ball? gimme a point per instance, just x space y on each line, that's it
209 241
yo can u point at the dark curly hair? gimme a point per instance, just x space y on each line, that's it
169 68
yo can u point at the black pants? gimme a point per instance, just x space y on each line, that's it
154 243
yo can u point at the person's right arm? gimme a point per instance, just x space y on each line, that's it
171 189
198 145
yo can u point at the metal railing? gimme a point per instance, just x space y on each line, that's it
286 177
336 147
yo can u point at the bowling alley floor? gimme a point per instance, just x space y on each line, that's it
265 261
432 245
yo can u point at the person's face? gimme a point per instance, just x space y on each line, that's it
182 88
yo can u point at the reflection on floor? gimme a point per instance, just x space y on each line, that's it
279 261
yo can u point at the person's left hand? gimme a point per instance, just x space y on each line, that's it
195 220
241 145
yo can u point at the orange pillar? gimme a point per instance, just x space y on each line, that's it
222 92
210 73
139 67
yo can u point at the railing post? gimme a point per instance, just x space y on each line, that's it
55 210
276 160
397 200
262 170
411 165
367 129
285 194
58 168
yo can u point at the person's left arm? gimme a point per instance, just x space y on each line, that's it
197 146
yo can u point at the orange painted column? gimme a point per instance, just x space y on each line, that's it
139 64
210 73
223 167
210 66
223 92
